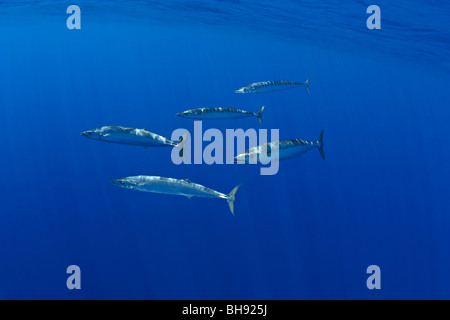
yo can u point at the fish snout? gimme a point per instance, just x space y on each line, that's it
182 114
239 159
86 134
117 182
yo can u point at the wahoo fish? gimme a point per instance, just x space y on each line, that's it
131 136
286 149
219 113
180 187
271 86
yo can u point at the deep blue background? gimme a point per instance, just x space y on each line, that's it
309 232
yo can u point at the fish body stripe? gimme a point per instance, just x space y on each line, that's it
200 111
196 189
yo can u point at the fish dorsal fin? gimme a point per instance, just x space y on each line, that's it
145 129
233 108
187 180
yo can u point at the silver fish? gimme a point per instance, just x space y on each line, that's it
182 187
130 136
286 149
219 113
271 86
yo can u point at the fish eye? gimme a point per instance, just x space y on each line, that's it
121 182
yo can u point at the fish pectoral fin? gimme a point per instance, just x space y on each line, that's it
189 197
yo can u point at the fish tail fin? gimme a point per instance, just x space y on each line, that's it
320 145
260 114
307 85
181 144
231 198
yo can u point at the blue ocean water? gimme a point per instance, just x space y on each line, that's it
308 232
